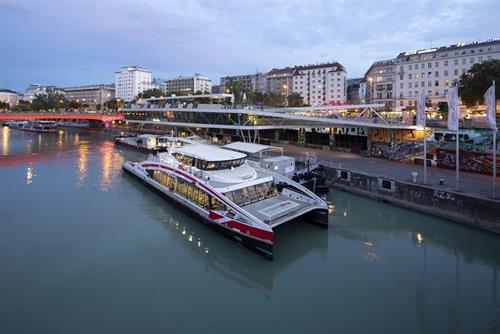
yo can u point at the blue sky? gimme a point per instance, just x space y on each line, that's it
84 42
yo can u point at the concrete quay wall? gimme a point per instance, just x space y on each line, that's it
468 209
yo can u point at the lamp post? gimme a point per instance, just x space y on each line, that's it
285 88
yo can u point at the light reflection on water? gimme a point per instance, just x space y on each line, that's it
377 269
5 140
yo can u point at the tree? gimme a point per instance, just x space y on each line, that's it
154 92
295 100
22 105
443 108
477 80
273 99
50 101
114 104
4 105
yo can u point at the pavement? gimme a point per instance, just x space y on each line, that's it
469 183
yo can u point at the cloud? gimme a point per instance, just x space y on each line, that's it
76 42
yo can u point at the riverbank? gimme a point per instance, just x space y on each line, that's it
468 209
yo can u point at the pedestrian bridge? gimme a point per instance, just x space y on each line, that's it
248 118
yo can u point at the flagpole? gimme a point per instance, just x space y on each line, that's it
425 151
494 163
457 162
494 146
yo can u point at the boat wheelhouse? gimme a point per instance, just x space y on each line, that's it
241 200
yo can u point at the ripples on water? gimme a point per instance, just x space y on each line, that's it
85 248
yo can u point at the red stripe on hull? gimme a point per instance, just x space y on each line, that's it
258 233
245 229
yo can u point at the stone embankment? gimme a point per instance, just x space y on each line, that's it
469 209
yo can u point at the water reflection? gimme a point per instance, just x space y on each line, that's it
29 174
228 258
5 140
111 165
83 151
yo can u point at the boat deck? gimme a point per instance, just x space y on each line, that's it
278 209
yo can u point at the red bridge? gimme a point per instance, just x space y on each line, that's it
89 117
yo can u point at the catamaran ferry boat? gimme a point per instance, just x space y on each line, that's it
243 201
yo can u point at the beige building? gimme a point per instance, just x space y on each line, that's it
10 96
91 95
189 85
397 81
321 83
280 81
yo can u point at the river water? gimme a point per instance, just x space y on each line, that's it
87 249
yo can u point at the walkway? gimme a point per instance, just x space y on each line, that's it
469 182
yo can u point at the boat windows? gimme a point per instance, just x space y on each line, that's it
184 159
215 204
252 194
214 165
164 179
192 193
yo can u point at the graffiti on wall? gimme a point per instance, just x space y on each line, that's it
476 162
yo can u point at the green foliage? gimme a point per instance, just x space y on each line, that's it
477 80
22 106
443 108
4 105
155 92
114 104
273 99
50 101
295 100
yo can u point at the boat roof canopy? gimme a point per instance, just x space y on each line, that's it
209 153
247 147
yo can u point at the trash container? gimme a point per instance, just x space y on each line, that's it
414 177
441 182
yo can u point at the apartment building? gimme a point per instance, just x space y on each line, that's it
189 84
249 82
130 81
397 81
321 83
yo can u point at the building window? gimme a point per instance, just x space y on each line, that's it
416 84
436 83
429 65
429 83
463 61
445 63
456 72
409 93
409 76
436 93
445 73
480 59
436 74
401 85
401 68
472 60
400 77
456 61
446 82
409 67
409 85
436 64
401 102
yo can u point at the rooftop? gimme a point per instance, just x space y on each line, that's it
209 153
246 147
